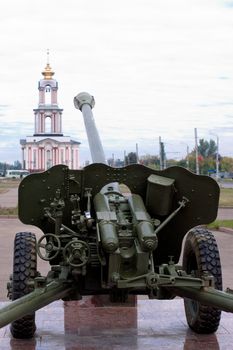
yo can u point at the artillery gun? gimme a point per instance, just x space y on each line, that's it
100 240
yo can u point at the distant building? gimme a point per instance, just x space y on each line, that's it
48 146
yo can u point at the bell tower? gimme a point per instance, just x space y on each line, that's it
48 116
48 146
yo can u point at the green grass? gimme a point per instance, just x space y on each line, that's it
8 211
6 184
226 197
226 200
220 223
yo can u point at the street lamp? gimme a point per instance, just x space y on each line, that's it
217 155
162 154
196 151
187 154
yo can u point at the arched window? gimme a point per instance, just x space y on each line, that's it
47 95
48 124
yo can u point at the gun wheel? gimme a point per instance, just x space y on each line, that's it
24 270
200 255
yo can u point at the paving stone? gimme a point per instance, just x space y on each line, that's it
96 326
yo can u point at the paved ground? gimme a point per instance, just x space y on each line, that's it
225 214
83 325
9 199
149 326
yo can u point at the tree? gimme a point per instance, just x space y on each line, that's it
17 165
207 151
227 164
150 161
207 148
131 158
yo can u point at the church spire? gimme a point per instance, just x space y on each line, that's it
47 56
48 73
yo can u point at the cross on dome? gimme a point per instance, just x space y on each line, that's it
48 73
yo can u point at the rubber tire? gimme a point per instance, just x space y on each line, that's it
201 254
24 269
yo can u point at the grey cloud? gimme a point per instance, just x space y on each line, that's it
3 106
223 78
216 104
15 128
229 4
223 129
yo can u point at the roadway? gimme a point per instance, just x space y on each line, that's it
9 199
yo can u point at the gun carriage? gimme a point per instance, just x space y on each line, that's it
101 239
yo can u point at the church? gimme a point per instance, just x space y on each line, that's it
48 146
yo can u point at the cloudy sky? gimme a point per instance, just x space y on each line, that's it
155 67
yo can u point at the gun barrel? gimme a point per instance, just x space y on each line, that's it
33 301
85 102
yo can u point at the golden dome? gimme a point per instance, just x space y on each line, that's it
48 73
